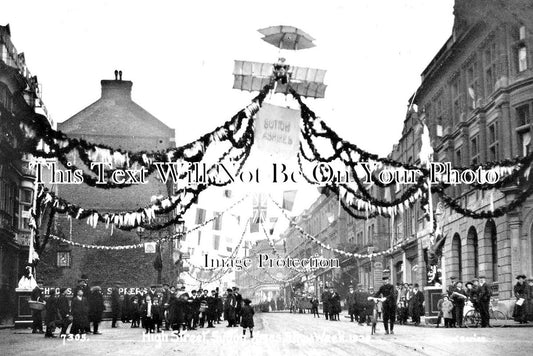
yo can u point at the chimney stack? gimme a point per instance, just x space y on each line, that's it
116 89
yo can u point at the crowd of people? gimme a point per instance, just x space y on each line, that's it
406 301
153 309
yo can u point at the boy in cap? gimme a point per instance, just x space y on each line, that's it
247 320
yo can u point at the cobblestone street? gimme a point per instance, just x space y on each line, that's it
281 334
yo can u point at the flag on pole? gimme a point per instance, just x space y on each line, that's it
273 221
288 199
227 193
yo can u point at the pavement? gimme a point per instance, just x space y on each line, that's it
278 334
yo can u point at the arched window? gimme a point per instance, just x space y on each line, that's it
457 258
491 239
472 252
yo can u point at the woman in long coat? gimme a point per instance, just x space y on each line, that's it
96 308
176 312
115 307
229 308
521 294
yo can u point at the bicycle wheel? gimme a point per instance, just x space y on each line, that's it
497 318
472 319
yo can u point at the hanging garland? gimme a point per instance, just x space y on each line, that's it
60 144
141 245
452 203
328 247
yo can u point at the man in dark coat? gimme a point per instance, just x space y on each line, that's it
115 306
83 284
229 308
388 291
459 299
351 304
361 302
147 314
36 315
220 306
325 302
80 311
52 314
484 295
418 304
238 307
96 308
63 307
211 309
334 304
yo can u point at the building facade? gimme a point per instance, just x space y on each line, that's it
20 97
476 97
117 121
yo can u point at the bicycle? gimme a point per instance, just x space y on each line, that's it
472 318
374 318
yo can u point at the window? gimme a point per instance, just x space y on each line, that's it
522 33
522 58
472 83
229 249
474 150
217 223
458 158
216 242
494 146
440 131
199 237
63 259
522 115
456 100
200 216
523 121
25 204
489 65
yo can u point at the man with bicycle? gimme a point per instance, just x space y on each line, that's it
388 292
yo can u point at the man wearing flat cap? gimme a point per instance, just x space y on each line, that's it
521 294
388 291
484 294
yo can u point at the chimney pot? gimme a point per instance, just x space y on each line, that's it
116 89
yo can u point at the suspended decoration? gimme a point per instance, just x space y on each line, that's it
141 245
60 145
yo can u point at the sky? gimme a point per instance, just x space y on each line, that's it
180 56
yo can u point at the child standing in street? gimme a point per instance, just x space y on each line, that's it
447 307
247 318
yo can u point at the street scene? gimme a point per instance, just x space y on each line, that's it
230 177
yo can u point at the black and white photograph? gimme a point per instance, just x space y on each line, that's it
285 177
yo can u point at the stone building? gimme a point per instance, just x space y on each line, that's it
476 96
114 120
20 96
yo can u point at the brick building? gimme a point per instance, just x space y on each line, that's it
117 121
477 97
20 96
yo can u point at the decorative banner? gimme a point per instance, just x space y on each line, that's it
288 199
150 247
277 130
